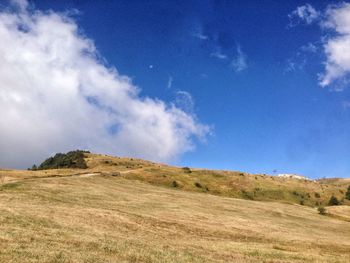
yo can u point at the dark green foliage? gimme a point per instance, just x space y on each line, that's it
73 159
10 186
174 184
333 201
247 195
198 185
347 194
321 210
34 168
187 170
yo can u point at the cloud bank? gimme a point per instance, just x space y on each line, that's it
337 47
56 94
335 24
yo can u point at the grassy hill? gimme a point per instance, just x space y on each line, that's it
130 210
224 183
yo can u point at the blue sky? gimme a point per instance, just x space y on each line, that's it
248 69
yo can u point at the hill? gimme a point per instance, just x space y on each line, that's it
259 187
129 210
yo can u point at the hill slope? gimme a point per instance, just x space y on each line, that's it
258 187
111 219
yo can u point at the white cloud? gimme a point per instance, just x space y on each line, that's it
170 82
305 13
294 65
337 47
310 47
199 33
57 95
200 36
218 54
21 4
184 101
239 62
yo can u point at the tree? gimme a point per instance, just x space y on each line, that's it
347 194
73 159
333 201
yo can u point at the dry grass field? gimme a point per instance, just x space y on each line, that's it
120 210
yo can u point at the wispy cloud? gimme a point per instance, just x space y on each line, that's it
184 101
56 95
170 82
239 62
200 36
305 14
300 58
218 54
199 33
309 47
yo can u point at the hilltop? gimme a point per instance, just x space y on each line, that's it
237 184
130 210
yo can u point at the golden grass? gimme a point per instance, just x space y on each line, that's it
224 183
112 219
72 215
340 212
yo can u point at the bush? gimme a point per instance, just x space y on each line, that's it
317 195
347 194
322 210
174 184
333 201
73 159
198 185
187 170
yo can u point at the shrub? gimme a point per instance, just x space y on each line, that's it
317 195
322 210
347 194
73 159
187 170
198 185
333 201
174 184
302 202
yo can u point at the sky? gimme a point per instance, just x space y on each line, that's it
255 86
